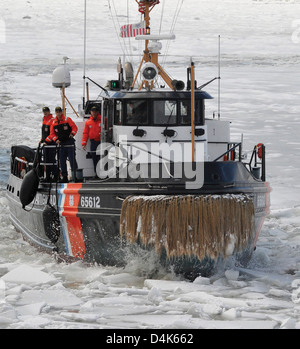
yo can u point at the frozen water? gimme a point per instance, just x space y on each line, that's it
260 95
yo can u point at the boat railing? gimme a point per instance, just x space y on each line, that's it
20 167
257 163
230 153
22 161
45 162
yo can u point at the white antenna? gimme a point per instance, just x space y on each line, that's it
219 79
84 54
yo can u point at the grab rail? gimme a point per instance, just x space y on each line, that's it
257 161
230 151
20 166
259 152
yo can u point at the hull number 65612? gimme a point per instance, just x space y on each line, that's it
90 201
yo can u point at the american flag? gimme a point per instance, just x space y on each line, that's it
132 30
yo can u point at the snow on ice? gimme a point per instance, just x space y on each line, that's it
260 95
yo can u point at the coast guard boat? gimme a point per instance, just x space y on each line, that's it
169 178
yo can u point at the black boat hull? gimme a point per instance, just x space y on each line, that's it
82 220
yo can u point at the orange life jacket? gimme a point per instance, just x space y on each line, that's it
47 122
62 129
92 130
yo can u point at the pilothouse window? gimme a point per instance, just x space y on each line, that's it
136 112
165 112
118 113
185 112
159 112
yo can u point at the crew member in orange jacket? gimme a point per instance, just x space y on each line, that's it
62 133
49 153
92 131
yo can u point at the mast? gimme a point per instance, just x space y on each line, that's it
144 8
84 56
147 25
219 77
193 109
147 56
152 49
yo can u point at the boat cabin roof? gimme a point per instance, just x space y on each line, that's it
159 94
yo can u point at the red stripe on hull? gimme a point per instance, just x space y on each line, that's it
74 227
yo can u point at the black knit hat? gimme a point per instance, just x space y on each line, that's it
46 109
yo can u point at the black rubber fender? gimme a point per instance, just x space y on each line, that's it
29 187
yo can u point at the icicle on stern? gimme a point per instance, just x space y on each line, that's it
191 233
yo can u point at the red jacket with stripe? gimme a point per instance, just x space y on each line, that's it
46 127
62 129
92 130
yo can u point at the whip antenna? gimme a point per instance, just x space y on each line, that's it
84 55
219 77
